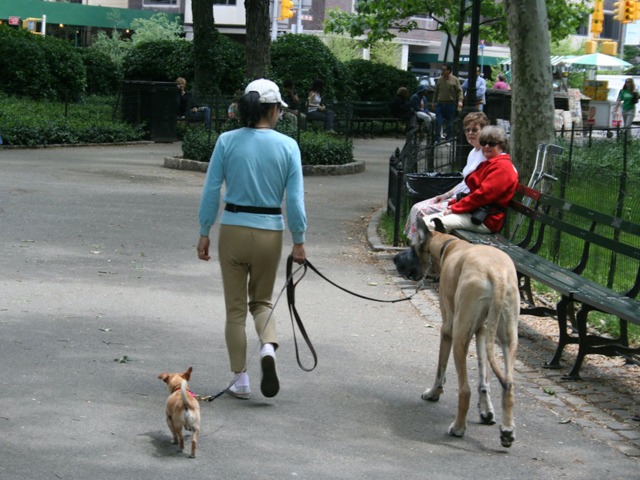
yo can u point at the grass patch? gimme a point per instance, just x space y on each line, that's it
385 230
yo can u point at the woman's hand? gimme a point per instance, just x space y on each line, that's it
298 254
203 248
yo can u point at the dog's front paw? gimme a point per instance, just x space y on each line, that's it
432 395
456 431
507 437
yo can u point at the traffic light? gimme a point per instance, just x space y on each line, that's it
590 46
597 18
637 10
629 11
625 11
286 9
618 11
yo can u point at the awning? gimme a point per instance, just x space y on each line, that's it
76 14
555 60
464 59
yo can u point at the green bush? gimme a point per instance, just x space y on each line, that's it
166 60
231 65
40 67
28 122
103 74
161 61
303 58
198 143
376 81
320 148
317 148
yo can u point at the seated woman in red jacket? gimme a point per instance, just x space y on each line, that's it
491 187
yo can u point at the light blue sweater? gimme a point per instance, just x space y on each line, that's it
257 167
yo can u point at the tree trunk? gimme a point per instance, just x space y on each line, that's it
204 40
532 104
258 43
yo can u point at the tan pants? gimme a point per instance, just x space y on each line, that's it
249 261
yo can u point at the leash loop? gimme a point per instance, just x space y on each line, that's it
293 313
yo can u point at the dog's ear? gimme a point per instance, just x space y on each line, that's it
424 234
439 225
164 377
187 375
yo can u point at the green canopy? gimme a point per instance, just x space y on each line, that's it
75 14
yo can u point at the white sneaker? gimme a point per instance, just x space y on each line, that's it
243 392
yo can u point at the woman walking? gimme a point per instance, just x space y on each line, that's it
257 166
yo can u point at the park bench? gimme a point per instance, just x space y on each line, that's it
368 116
549 221
218 106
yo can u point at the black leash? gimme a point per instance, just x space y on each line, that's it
290 287
293 311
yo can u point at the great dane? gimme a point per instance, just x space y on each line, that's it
478 296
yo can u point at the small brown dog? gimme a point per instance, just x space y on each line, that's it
183 410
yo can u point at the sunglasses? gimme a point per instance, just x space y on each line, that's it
471 130
491 144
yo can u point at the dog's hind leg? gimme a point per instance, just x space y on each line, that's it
507 428
194 442
485 407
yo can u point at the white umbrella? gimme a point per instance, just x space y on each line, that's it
598 60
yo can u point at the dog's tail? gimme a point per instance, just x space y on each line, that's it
188 414
183 393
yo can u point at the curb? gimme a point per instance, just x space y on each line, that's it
74 145
179 163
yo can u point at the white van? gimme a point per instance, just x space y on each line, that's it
615 84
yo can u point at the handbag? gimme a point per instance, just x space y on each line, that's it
617 119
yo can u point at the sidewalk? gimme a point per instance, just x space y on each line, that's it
102 291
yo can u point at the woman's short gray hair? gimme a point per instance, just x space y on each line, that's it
492 133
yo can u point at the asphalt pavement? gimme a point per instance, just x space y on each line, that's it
101 290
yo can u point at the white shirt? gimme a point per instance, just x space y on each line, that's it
474 159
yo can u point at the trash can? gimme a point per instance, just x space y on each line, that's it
421 186
154 104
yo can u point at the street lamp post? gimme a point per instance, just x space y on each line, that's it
471 102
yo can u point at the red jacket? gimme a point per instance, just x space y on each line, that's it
494 182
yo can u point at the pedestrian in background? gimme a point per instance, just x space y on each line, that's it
481 89
447 100
258 166
628 98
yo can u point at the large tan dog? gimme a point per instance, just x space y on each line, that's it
182 409
478 296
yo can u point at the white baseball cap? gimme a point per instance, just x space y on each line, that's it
268 91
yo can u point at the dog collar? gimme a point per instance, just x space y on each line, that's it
178 388
445 245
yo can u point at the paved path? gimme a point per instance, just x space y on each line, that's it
98 264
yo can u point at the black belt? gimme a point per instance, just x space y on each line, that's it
230 207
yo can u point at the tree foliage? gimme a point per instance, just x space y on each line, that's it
158 27
374 20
